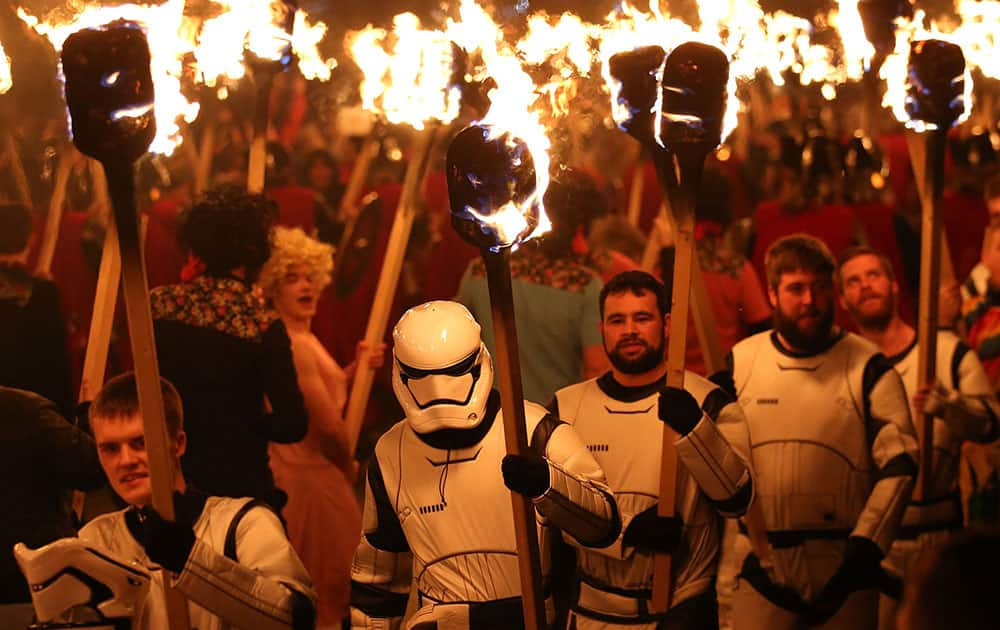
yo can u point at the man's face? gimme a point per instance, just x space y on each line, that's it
867 292
803 309
121 447
296 296
634 332
993 207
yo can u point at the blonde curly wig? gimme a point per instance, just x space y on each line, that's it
293 247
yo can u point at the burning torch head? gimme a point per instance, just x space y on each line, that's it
695 78
638 75
109 91
935 82
492 188
878 17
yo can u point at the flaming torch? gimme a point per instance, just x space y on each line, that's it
10 146
109 92
935 100
410 78
6 78
496 204
268 52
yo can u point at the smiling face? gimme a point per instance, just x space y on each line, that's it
867 291
634 332
296 295
121 447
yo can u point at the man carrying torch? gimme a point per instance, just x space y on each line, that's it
433 489
436 509
621 417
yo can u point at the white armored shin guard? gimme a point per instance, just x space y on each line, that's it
720 473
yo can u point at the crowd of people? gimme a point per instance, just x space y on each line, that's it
800 419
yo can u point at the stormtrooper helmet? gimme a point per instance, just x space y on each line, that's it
442 373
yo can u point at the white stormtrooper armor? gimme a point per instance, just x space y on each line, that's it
834 455
437 512
621 428
263 590
69 574
967 410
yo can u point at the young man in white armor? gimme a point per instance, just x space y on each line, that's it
620 417
960 399
834 454
436 510
229 557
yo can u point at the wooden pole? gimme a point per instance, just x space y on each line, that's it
50 236
681 189
635 193
95 361
257 166
508 378
20 179
121 185
388 280
927 152
347 211
705 326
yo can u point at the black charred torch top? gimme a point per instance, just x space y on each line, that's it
638 74
878 17
489 179
109 91
695 79
935 82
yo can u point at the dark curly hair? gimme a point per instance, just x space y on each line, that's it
229 228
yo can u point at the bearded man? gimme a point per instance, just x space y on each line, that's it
833 449
620 417
960 399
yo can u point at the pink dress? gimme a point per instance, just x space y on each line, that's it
323 519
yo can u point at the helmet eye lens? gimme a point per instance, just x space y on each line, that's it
462 367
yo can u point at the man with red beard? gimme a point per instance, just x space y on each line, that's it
961 400
833 450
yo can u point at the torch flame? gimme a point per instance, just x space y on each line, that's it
858 51
514 110
169 40
979 35
896 67
6 79
258 26
407 73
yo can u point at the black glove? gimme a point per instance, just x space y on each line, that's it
526 474
860 570
167 544
650 532
679 409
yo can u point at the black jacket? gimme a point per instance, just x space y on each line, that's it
224 354
42 458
